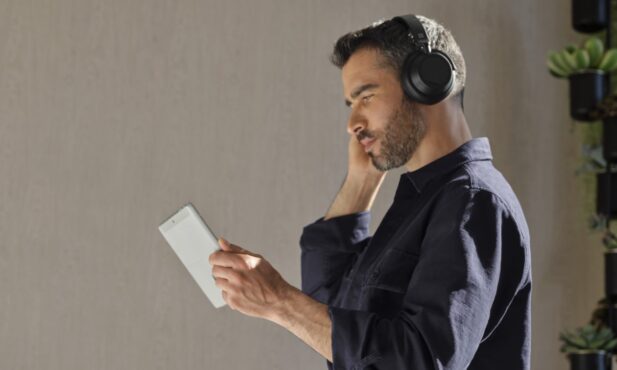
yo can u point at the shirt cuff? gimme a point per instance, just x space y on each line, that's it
341 233
349 339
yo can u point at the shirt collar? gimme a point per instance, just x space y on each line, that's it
477 149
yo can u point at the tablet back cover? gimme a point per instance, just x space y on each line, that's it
193 243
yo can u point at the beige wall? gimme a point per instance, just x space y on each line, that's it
114 113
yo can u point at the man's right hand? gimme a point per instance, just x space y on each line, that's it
360 163
361 184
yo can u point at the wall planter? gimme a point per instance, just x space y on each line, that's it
589 347
609 139
589 16
589 360
610 276
587 89
602 195
611 313
587 66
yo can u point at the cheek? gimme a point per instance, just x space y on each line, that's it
378 118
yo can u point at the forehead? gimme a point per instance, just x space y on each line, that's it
363 67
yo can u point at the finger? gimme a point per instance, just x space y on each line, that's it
222 284
227 259
226 273
230 302
232 248
227 246
250 261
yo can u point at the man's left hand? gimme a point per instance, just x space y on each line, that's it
249 283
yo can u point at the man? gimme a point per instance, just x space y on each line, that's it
445 281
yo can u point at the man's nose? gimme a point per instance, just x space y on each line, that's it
355 124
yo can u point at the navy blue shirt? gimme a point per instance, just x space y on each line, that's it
443 283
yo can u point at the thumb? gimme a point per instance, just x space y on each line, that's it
228 247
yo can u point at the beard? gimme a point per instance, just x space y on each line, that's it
400 138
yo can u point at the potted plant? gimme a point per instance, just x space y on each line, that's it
598 222
587 69
588 347
589 16
606 111
606 202
594 162
593 171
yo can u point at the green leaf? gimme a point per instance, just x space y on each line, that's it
582 59
596 343
611 345
597 157
559 62
595 48
578 342
569 60
609 61
555 70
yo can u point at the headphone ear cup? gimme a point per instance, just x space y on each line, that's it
427 78
407 72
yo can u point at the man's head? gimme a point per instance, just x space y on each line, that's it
371 60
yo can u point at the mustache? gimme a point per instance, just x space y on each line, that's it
364 134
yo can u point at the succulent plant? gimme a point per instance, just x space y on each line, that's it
588 337
609 240
597 222
599 316
593 161
589 56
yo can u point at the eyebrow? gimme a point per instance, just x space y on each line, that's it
360 90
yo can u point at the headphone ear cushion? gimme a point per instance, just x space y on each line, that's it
427 78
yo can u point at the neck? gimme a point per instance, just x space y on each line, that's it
446 130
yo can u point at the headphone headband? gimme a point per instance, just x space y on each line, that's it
416 31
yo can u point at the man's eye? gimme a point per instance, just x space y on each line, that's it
366 98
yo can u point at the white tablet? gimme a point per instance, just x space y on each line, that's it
191 239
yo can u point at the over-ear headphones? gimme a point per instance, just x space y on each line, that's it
427 76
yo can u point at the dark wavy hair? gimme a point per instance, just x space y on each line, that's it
391 40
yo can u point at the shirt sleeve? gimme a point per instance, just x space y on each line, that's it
470 268
328 248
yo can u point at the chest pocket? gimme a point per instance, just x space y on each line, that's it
393 271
